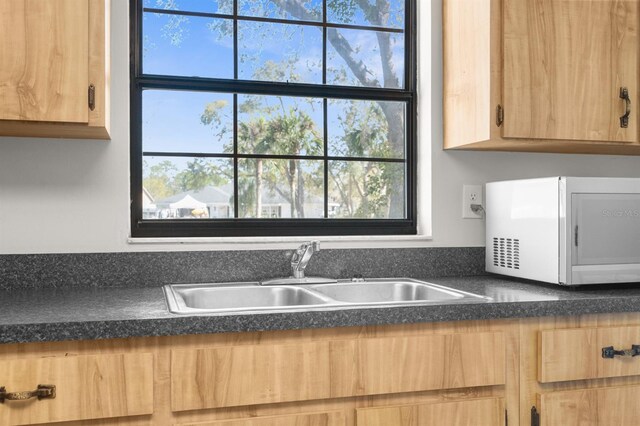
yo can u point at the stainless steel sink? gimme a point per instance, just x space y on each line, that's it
241 297
387 292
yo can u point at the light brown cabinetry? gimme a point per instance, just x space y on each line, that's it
488 412
54 68
467 373
591 407
325 377
542 76
564 64
260 374
576 354
571 375
314 419
86 387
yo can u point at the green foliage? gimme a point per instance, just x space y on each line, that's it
199 174
292 133
158 181
176 29
343 9
163 180
216 114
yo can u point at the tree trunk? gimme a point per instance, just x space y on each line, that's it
300 195
292 177
259 172
396 133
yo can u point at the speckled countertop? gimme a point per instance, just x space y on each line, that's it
40 315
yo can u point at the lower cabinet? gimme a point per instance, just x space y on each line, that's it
242 375
580 371
485 412
577 353
591 407
570 371
315 419
65 388
413 374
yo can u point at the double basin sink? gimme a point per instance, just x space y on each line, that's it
250 297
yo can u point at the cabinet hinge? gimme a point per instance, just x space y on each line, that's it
499 115
535 416
92 97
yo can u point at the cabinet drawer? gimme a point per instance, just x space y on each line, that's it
262 374
87 387
576 354
335 418
591 407
486 412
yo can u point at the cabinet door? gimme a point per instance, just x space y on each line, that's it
486 412
576 353
335 418
231 376
564 64
86 387
591 407
44 60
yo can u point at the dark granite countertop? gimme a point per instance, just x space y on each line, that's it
41 315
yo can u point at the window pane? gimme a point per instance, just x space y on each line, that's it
366 128
304 10
279 125
279 52
387 13
187 188
187 46
175 121
366 190
280 188
367 49
207 6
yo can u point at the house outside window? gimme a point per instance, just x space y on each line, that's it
273 117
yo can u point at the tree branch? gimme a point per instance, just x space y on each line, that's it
378 15
296 9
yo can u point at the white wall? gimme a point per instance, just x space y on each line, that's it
72 196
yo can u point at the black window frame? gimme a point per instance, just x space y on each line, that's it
235 227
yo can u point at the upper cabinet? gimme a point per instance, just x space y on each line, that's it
565 63
54 68
544 76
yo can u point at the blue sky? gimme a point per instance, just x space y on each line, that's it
207 6
191 49
171 122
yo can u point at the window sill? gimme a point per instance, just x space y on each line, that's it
268 243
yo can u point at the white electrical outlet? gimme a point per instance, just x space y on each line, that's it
472 194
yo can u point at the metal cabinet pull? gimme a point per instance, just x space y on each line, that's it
624 120
611 352
42 392
92 97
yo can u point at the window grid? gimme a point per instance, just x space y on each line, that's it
238 17
141 81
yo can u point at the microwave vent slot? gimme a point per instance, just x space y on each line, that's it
506 253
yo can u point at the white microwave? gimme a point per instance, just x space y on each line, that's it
564 230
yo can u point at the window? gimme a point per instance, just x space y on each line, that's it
273 117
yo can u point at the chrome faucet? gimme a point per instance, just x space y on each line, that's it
301 258
299 262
